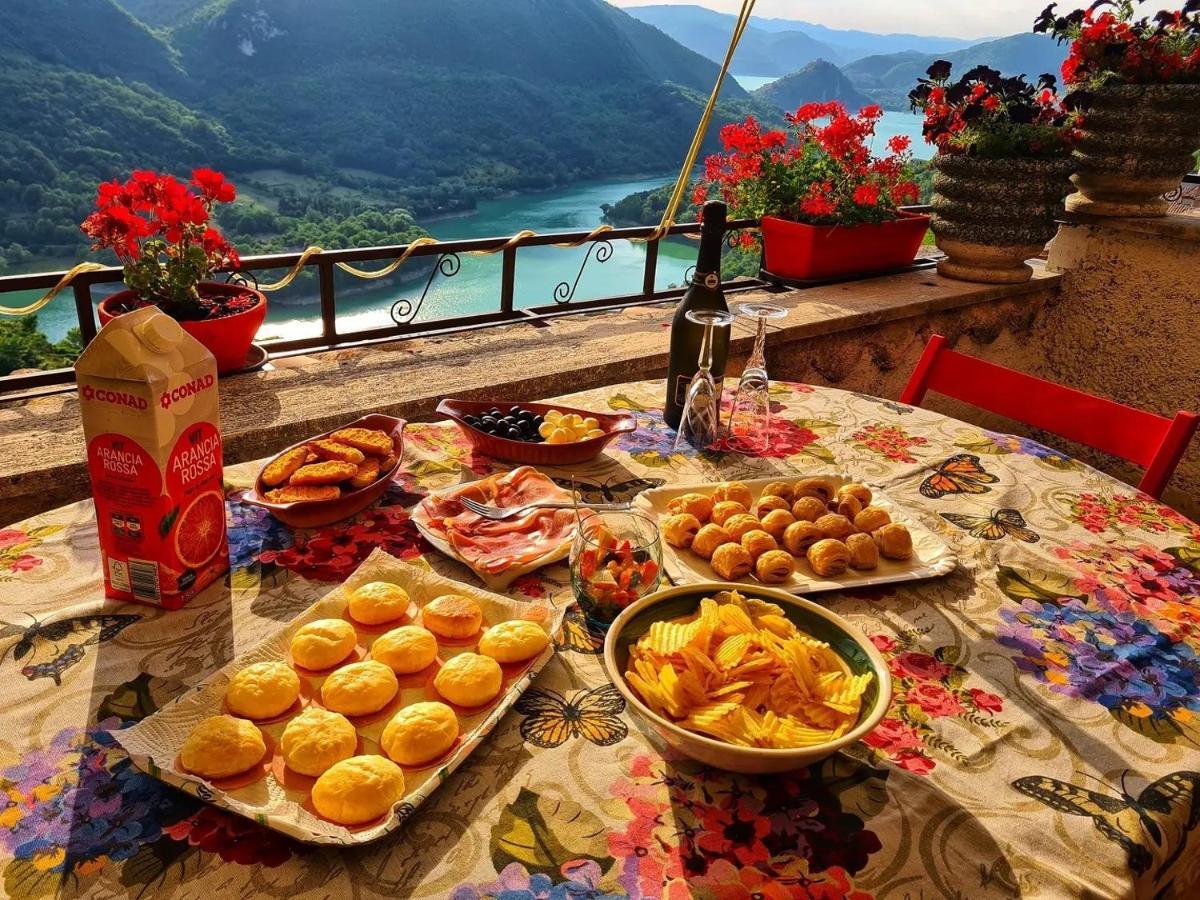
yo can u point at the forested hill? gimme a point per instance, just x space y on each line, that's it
818 81
323 110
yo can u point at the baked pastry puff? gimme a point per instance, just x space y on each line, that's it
872 518
709 538
799 536
854 489
770 502
359 689
680 529
514 641
726 509
863 552
809 509
774 567
317 739
405 650
775 522
378 602
828 557
452 616
469 679
782 489
848 505
893 541
420 733
736 526
697 505
733 490
221 746
262 690
323 643
835 526
357 790
756 543
821 488
731 562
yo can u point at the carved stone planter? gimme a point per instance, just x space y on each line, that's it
990 215
1136 144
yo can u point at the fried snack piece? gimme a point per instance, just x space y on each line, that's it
357 790
809 509
262 690
854 489
769 503
774 567
734 490
775 523
280 469
835 526
863 552
514 641
782 489
740 524
756 543
697 505
828 557
407 649
725 510
292 493
368 440
731 562
799 536
680 530
821 488
368 471
420 733
328 472
222 746
709 538
452 616
849 506
872 518
317 739
327 449
893 541
469 679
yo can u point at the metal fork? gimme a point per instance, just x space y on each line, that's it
496 512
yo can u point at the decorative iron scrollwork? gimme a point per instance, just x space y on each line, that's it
404 311
733 238
565 292
688 274
242 278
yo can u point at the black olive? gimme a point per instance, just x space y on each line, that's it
472 421
513 410
513 434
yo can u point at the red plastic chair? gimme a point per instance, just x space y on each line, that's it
1154 442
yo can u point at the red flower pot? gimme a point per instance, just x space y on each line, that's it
227 338
813 252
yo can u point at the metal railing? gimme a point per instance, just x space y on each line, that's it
405 310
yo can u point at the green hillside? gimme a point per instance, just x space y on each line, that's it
819 81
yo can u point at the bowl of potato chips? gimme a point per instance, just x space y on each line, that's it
747 679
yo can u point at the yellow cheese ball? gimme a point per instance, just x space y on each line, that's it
222 746
420 733
359 689
357 790
316 739
323 643
378 602
515 641
452 616
262 690
407 649
469 679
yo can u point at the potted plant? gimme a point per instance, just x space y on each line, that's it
827 207
1001 169
1137 83
161 230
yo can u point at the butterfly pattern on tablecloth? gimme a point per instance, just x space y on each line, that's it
577 635
551 719
1165 813
960 474
1004 522
50 658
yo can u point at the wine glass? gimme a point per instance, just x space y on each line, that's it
750 415
616 558
700 425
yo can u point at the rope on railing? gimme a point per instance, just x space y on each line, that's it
663 227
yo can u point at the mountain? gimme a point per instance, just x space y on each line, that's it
760 52
777 46
818 81
888 78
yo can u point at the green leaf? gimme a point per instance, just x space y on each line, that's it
1161 729
542 832
983 447
1023 584
860 787
624 401
25 881
135 700
913 714
948 654
651 459
1188 556
148 866
816 451
42 532
817 425
164 525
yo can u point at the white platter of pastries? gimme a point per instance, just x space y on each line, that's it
803 535
339 724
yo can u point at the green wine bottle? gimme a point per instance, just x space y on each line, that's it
704 292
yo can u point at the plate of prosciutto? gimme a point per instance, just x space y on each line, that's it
499 551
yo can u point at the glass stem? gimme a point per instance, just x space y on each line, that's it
706 349
758 357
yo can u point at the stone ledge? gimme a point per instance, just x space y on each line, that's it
41 440
1176 227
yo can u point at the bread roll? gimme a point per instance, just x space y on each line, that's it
731 562
739 525
726 509
835 526
680 530
783 489
769 503
821 488
809 509
697 505
734 490
756 543
708 539
871 519
858 491
774 567
828 557
799 536
863 552
893 541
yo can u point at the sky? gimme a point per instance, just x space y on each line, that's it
952 18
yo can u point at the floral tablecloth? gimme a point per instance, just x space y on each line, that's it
1042 741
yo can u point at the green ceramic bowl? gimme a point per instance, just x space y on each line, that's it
850 643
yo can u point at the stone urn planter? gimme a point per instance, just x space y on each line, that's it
990 215
1136 144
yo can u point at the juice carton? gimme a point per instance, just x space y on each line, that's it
148 397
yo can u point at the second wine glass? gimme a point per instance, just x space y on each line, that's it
750 415
700 425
